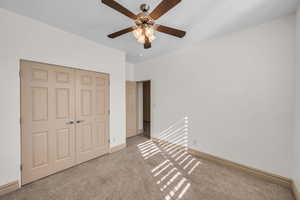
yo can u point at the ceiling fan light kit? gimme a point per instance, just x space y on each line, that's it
145 22
143 31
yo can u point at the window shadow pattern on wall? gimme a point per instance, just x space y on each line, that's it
174 163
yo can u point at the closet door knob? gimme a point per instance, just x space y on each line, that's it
79 121
70 122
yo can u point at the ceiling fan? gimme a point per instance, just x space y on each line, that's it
145 22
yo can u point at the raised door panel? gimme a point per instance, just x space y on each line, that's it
39 103
62 97
63 142
40 149
63 77
100 135
39 74
100 102
86 102
86 137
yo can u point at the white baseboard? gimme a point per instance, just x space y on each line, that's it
117 148
9 187
140 131
274 178
296 191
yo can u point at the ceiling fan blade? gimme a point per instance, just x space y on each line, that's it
121 32
113 4
170 31
147 44
163 7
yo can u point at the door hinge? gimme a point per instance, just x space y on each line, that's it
20 120
108 141
21 167
109 112
20 74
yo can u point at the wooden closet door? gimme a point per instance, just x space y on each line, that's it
92 98
131 109
47 107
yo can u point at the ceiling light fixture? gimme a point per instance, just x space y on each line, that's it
142 32
145 22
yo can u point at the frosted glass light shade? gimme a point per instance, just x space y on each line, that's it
141 39
138 32
142 31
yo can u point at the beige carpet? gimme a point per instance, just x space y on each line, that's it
146 170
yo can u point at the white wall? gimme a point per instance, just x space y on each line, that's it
296 139
129 71
140 105
24 38
237 91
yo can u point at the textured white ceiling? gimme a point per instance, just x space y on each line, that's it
201 19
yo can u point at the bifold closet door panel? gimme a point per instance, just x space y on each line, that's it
47 107
92 110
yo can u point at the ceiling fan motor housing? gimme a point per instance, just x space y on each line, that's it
144 18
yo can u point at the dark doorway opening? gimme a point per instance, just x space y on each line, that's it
147 109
